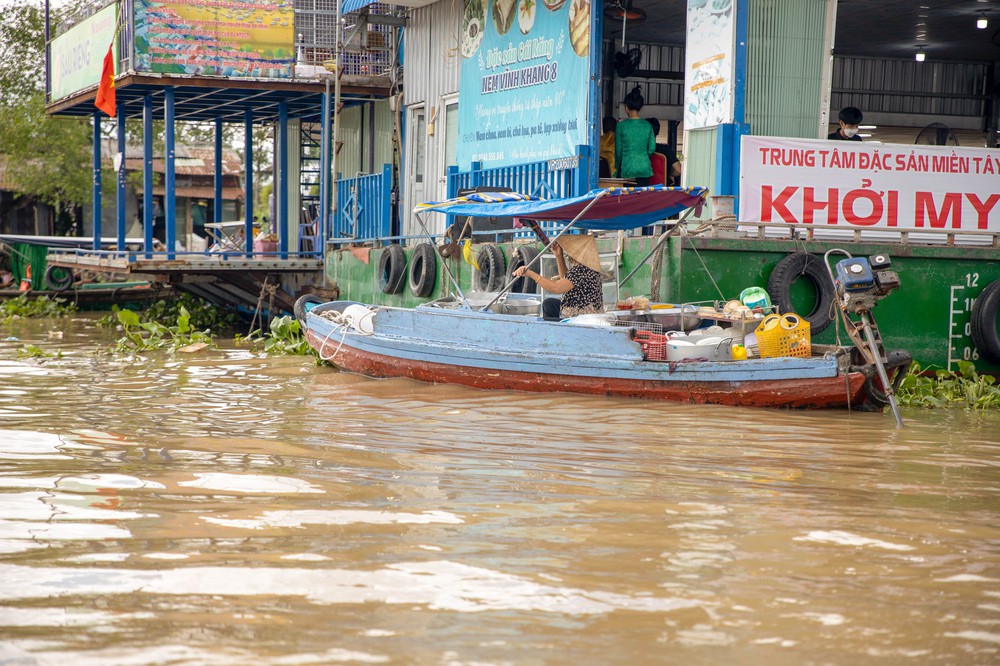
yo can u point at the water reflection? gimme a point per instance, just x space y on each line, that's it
228 509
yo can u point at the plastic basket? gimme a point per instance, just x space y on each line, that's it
654 345
784 335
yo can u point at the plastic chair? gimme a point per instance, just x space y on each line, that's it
659 163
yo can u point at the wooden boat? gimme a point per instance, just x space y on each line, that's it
500 341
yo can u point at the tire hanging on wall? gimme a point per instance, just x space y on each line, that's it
423 270
58 278
392 269
984 322
523 256
490 275
811 267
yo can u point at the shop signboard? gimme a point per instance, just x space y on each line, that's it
525 75
77 55
232 38
708 78
848 185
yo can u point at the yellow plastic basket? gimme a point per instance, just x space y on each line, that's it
784 335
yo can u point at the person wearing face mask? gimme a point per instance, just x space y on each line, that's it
850 117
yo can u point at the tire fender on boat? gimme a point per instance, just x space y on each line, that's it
391 269
785 274
490 275
303 305
58 278
523 256
423 270
984 322
897 364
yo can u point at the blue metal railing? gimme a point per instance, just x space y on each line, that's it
364 207
550 179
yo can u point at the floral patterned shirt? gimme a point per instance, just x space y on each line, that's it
587 294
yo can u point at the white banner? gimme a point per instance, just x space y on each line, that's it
708 78
847 185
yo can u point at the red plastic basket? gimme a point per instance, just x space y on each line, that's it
654 345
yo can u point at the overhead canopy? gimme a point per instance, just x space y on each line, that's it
617 208
354 5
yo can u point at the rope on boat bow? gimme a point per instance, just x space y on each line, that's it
346 321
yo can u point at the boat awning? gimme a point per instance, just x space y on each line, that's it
618 208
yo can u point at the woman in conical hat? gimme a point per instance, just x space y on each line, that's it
580 286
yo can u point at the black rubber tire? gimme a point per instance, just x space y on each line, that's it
392 269
423 270
58 278
301 307
984 322
790 269
491 272
523 256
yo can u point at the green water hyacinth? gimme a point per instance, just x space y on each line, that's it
43 306
941 388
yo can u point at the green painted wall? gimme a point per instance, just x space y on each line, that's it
700 162
918 317
785 63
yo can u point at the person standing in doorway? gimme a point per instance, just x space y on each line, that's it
607 164
850 117
634 142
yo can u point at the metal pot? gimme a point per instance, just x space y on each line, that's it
710 348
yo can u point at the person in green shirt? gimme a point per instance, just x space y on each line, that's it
634 142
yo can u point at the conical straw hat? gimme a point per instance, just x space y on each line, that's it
582 248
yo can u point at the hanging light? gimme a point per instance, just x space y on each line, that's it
981 22
920 55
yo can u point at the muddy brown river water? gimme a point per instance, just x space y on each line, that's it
223 508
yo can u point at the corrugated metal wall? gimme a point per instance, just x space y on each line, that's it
433 65
356 155
910 87
655 91
785 62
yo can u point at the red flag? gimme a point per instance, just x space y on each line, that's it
105 100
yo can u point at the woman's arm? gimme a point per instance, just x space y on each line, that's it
651 142
558 285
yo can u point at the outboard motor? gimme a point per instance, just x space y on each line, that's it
860 284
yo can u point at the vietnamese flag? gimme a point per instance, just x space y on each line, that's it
105 100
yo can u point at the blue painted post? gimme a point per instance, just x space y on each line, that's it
248 181
476 175
122 221
581 175
281 198
452 182
739 94
595 116
217 194
147 175
324 173
170 184
385 206
96 209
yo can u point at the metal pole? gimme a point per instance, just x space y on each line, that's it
147 175
324 171
281 183
336 109
122 184
866 324
96 209
217 194
170 184
248 181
